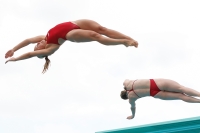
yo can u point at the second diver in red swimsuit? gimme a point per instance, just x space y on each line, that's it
164 89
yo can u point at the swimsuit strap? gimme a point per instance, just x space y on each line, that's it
133 89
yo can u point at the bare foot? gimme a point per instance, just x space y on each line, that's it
131 43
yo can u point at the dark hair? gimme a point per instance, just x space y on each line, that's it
46 65
124 95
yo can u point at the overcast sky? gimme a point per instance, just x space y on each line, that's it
80 93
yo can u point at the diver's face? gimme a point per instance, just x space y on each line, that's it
40 45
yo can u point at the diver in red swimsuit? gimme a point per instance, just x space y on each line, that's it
164 89
76 31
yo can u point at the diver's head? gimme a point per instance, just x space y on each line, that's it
123 95
39 46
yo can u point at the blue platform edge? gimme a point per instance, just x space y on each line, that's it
190 123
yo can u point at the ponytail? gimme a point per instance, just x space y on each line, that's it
46 65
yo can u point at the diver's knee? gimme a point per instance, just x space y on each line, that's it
102 30
94 35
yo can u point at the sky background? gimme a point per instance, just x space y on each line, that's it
80 93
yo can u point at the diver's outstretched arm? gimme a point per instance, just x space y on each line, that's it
24 43
43 52
133 108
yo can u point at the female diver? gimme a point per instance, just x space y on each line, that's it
164 89
82 30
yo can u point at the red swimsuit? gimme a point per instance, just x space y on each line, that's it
133 89
60 31
153 88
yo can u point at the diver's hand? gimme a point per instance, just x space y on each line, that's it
10 53
129 117
11 59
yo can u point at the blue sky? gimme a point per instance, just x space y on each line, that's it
80 91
